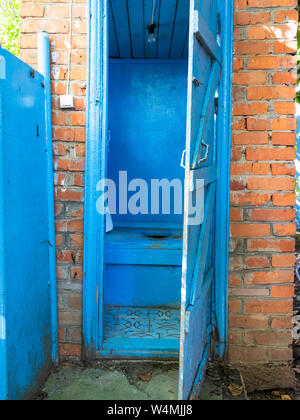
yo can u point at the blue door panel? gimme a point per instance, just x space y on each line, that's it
198 271
25 335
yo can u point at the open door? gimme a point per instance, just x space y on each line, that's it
198 275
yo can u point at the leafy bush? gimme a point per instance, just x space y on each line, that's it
10 25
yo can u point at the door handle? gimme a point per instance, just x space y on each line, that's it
182 163
204 159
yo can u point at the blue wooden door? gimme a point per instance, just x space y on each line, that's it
198 275
25 246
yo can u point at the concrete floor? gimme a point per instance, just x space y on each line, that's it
114 381
127 380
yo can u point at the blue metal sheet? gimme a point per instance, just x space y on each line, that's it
25 299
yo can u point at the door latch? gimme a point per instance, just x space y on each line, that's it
196 82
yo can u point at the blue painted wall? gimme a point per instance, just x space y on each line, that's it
147 123
25 336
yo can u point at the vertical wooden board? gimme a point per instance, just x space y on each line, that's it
114 50
179 39
198 243
185 50
167 17
120 13
137 26
151 48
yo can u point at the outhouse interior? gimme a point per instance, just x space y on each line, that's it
147 97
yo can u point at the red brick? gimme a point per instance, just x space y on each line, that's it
285 47
286 15
234 280
250 78
271 3
272 215
282 292
253 48
69 349
283 169
254 108
251 199
289 124
248 321
268 338
284 139
271 184
31 10
250 354
271 92
277 354
285 78
285 108
283 245
249 230
240 4
234 306
281 322
270 277
257 262
266 154
247 138
285 230
236 215
284 200
254 124
271 62
283 260
236 153
269 306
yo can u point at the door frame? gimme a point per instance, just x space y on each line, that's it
95 170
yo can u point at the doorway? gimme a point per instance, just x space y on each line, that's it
155 278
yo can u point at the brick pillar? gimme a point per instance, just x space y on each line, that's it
68 148
262 216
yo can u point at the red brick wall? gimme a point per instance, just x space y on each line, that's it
262 188
262 180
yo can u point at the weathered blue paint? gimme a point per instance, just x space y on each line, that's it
147 132
95 169
223 184
202 150
25 280
129 35
122 268
44 69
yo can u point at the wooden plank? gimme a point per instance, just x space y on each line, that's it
204 241
137 25
121 18
207 113
208 174
114 50
167 17
206 38
179 39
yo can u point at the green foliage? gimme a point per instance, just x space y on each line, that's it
10 25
